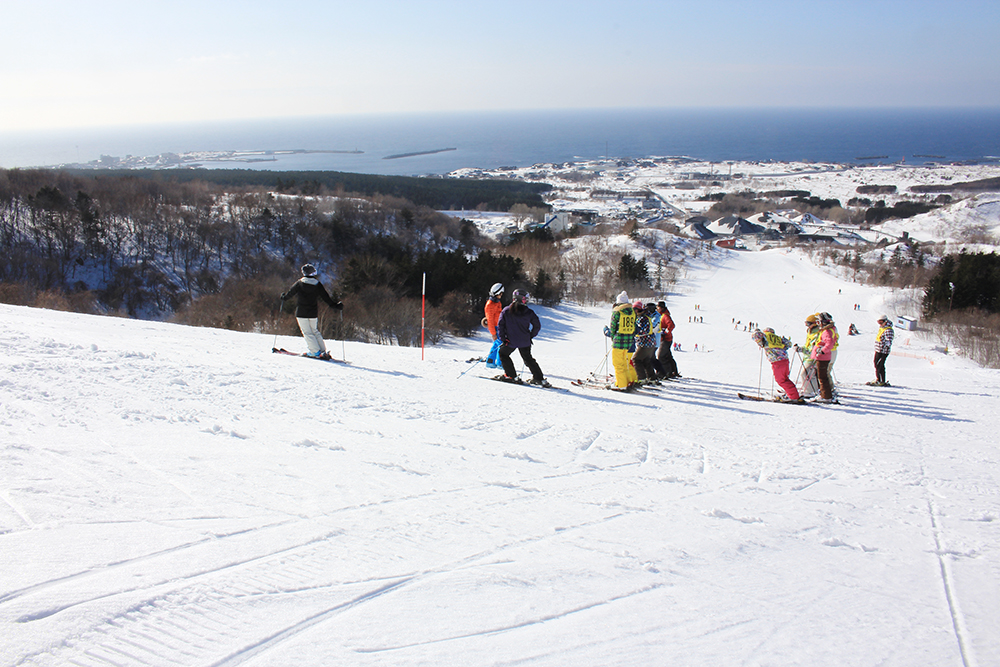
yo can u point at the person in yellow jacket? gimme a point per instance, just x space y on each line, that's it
810 381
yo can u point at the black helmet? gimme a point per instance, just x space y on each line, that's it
520 296
308 270
825 318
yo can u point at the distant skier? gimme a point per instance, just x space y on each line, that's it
664 354
309 290
822 353
622 332
516 329
776 349
492 309
883 345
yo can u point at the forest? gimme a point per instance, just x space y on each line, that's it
219 251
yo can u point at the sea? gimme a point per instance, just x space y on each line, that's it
438 143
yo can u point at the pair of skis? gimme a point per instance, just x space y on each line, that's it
325 357
519 381
801 401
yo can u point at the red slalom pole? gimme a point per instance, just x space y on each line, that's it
423 314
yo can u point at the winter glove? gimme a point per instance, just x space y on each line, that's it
339 306
284 295
607 331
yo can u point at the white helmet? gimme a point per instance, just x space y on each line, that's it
496 290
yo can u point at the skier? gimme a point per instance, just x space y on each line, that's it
664 355
492 310
517 327
776 349
622 331
656 331
309 291
810 383
645 352
822 353
883 344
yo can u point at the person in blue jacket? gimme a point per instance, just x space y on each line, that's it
517 327
309 290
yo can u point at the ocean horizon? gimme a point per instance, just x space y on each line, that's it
437 143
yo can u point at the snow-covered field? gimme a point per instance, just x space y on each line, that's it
181 496
680 186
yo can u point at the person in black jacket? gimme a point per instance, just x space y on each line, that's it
309 290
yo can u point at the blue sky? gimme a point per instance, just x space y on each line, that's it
77 63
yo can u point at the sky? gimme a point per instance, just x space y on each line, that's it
69 64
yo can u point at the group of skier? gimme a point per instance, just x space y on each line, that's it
637 356
818 355
641 336
641 341
512 328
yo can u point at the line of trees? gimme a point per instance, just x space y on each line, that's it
962 303
444 194
211 255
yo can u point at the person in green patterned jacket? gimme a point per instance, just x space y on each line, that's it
622 332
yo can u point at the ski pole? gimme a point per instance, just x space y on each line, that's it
602 363
760 372
343 353
469 368
802 366
281 307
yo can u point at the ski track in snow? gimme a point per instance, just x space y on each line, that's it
265 510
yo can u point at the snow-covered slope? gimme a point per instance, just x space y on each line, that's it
176 495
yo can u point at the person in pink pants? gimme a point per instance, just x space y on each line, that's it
776 349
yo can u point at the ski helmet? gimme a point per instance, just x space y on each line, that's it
768 330
811 320
825 318
308 270
520 296
650 307
496 290
637 304
884 318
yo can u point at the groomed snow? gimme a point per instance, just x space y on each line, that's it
181 496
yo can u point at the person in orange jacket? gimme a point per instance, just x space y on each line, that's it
493 309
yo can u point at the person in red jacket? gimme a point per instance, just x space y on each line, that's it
309 291
664 355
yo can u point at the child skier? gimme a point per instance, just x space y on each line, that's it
622 330
883 345
664 354
822 353
309 291
492 310
776 349
645 345
810 383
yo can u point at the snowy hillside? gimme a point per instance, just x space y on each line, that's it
181 496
